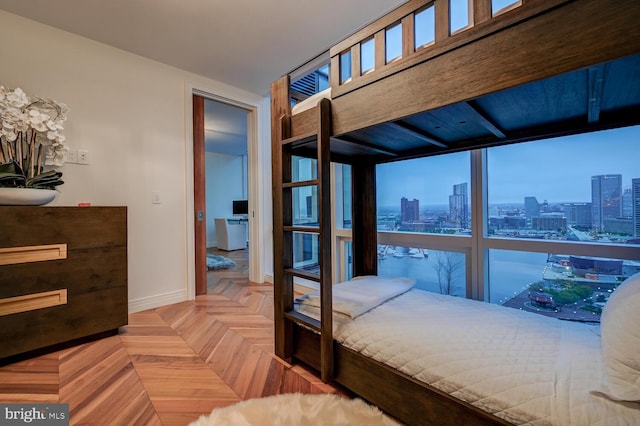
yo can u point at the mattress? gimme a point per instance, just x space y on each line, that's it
311 101
525 368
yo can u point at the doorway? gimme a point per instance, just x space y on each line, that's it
222 135
226 177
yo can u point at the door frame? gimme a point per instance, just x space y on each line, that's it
253 104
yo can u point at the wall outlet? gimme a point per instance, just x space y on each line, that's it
155 197
83 156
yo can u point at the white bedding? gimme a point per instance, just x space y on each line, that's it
311 101
354 298
525 368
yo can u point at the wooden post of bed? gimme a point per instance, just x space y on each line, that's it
365 242
324 201
283 283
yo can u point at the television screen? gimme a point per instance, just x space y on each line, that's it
240 207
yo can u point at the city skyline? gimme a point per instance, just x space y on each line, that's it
519 170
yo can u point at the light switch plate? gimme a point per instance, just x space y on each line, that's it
72 156
155 197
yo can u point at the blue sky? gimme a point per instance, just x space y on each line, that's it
555 170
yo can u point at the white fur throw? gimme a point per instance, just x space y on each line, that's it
297 409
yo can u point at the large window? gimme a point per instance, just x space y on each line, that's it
345 186
574 188
437 271
558 285
309 84
556 222
425 195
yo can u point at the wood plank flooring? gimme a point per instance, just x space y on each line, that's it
170 364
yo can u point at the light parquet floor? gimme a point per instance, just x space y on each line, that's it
170 364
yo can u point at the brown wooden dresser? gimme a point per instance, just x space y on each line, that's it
63 276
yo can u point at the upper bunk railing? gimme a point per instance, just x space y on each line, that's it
416 32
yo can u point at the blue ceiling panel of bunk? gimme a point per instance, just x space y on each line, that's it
584 95
434 130
452 123
600 96
552 100
387 137
621 84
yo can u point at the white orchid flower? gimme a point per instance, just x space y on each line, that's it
34 124
17 98
8 131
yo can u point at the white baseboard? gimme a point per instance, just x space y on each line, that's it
158 300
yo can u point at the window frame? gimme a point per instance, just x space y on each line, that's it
476 247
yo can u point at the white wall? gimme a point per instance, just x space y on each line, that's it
130 113
225 183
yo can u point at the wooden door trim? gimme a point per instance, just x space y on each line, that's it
259 164
199 196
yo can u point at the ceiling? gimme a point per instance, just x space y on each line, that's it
244 43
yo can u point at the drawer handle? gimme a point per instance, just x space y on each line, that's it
31 302
13 255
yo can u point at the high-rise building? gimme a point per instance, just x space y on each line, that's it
627 203
635 194
619 225
550 222
409 210
578 214
606 198
531 207
459 206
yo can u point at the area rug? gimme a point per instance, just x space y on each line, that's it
297 409
217 262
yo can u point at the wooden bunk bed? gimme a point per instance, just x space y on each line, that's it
541 69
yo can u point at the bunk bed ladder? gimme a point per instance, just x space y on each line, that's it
295 231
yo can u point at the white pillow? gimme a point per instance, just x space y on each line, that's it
355 297
620 331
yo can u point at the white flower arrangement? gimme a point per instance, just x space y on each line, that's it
31 137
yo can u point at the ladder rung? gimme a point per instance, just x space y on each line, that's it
301 183
299 318
306 229
303 138
303 273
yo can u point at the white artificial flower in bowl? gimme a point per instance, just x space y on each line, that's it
31 137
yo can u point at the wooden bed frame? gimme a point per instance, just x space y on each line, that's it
541 69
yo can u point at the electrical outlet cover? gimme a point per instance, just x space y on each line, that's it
83 156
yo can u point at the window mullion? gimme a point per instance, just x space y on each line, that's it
336 213
478 263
